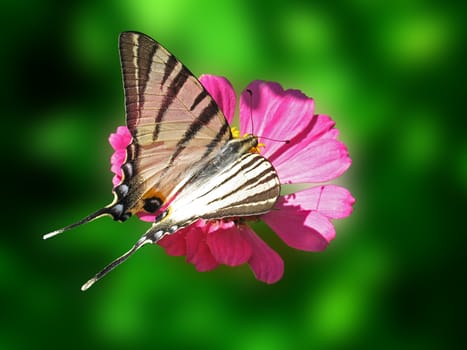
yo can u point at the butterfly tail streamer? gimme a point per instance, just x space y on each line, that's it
99 213
153 235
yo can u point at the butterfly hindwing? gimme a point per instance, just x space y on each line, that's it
233 185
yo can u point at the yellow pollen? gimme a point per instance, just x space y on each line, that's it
257 149
235 132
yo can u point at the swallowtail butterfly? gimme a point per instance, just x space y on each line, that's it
182 163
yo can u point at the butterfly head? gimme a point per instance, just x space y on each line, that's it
256 145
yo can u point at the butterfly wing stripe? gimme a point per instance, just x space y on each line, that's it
205 117
266 176
257 173
172 91
224 131
136 54
170 66
246 187
201 96
144 61
231 173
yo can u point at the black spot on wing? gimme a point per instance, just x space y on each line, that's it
151 205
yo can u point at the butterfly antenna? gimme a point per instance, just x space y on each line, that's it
152 236
274 140
251 110
93 216
252 125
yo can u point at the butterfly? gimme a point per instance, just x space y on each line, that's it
183 163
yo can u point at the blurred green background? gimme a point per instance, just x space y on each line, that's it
391 75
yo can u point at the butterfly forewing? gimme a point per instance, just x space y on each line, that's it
162 94
176 125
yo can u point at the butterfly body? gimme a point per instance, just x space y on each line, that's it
182 163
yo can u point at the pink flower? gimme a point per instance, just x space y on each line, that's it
312 155
119 141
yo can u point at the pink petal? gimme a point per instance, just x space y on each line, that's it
143 216
311 154
197 251
319 161
121 138
227 245
222 92
332 201
266 264
118 157
119 141
116 179
300 228
276 113
174 244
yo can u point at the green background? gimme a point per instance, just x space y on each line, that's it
391 75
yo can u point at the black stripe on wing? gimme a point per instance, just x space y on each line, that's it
202 95
136 55
237 184
248 193
172 92
169 67
205 117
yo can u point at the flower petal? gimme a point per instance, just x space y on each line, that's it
265 263
116 180
300 228
118 158
197 251
174 244
227 245
319 161
120 139
275 113
222 92
311 153
334 202
143 216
